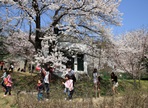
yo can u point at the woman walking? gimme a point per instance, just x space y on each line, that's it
8 82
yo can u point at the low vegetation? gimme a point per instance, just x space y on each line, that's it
25 94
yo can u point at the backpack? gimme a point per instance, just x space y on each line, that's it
5 81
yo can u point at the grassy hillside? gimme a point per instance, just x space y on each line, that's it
26 82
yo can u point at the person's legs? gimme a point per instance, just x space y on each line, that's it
115 88
47 89
40 96
95 89
99 90
9 90
70 94
65 90
6 90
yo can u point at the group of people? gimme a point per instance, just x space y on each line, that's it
97 82
6 81
69 83
70 80
43 84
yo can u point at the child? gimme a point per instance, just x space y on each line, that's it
8 82
69 85
40 89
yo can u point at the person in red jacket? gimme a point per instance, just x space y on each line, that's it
8 82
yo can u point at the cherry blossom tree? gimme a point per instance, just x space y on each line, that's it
51 18
78 17
3 49
18 46
129 50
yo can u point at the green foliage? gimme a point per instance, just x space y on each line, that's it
83 88
83 95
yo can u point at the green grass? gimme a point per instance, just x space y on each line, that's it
83 88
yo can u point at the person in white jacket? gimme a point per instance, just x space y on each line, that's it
69 85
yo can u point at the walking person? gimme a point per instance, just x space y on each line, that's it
99 85
96 81
11 67
71 73
47 77
114 80
33 67
3 77
2 65
8 82
69 85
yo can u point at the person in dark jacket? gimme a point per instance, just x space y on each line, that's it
114 80
40 89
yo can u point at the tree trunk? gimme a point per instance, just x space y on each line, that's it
134 83
100 54
25 65
139 78
38 33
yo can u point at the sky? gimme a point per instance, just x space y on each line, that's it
135 15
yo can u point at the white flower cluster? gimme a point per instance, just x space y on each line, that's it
56 57
18 44
130 49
